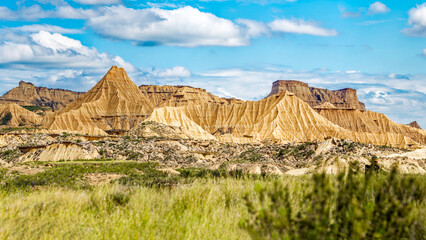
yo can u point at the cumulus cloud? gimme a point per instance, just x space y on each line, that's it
35 12
25 13
44 27
184 27
378 8
300 27
253 29
424 52
98 2
417 19
177 71
190 27
53 50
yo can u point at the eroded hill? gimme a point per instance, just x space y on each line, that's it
26 94
114 103
13 115
282 117
176 96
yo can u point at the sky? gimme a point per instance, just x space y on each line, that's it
231 48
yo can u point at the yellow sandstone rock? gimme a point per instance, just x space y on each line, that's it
13 115
114 103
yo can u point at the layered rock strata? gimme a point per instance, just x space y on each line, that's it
343 98
114 103
13 115
26 94
371 122
176 96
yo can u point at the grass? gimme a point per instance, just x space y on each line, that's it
207 204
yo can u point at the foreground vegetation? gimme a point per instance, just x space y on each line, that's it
144 203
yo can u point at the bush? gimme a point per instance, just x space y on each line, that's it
379 206
6 119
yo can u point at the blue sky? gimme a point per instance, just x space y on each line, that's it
230 48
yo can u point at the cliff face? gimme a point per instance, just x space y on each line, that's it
343 99
26 94
114 103
13 115
176 96
282 117
414 124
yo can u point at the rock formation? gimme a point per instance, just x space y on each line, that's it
151 129
371 122
26 94
59 151
281 117
114 103
176 96
414 124
13 115
343 98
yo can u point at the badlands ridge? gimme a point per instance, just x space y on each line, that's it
292 112
296 129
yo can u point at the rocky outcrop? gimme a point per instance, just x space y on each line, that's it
282 117
371 122
26 94
343 98
414 125
151 129
59 151
115 102
176 96
13 115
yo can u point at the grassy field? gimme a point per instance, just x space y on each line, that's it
143 203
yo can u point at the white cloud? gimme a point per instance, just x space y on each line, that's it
424 52
69 12
253 28
300 27
184 27
12 52
35 12
44 27
63 74
417 18
53 50
349 14
177 71
25 13
97 2
378 8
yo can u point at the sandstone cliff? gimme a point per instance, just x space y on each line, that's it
414 124
176 96
281 117
115 102
26 94
344 98
13 115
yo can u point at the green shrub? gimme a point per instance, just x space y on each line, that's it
6 119
379 206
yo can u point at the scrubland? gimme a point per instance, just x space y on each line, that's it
66 201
